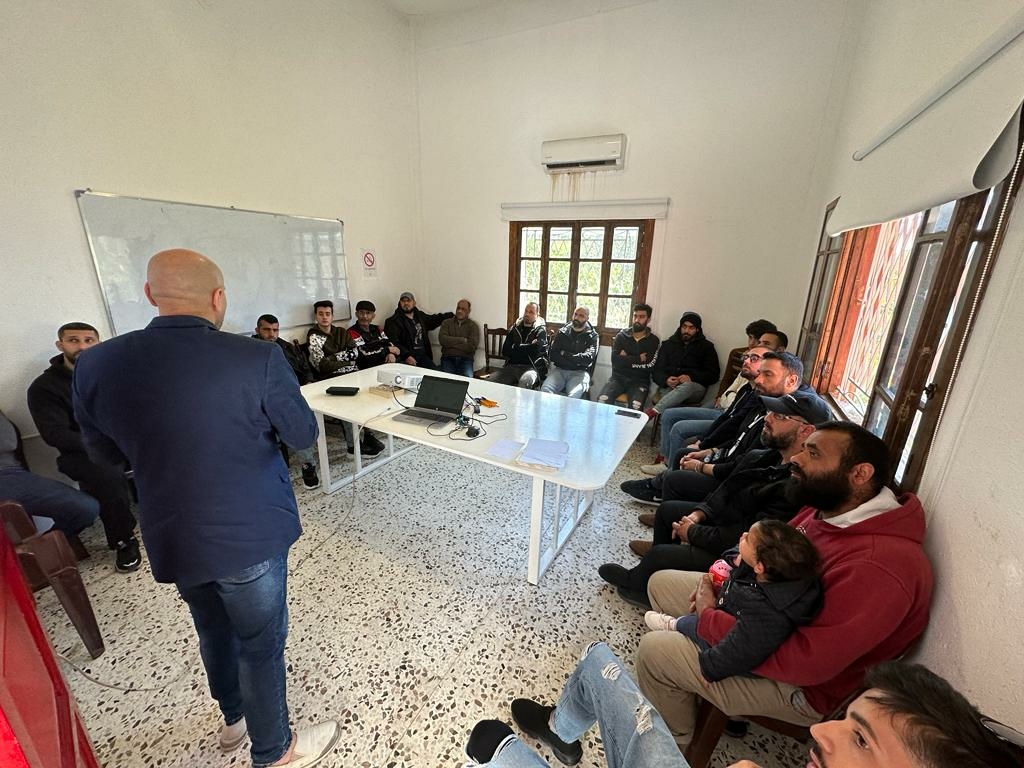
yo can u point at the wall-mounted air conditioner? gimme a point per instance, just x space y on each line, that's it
591 153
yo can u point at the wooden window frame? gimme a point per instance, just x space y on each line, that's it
918 389
645 239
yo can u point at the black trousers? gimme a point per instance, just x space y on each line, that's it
110 488
668 553
684 485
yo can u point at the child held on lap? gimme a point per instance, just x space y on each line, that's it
773 588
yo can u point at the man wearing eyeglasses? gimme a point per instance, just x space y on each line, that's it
729 437
684 426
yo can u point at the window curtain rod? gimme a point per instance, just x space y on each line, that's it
1001 39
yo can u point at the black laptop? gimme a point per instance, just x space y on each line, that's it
437 400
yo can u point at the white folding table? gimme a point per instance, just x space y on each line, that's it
598 436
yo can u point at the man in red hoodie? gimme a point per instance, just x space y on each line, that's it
878 588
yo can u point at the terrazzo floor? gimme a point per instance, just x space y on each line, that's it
409 621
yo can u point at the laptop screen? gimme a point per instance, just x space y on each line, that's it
442 395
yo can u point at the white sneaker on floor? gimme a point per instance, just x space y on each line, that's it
312 743
232 736
653 469
656 620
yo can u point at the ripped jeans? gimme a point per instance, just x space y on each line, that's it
601 690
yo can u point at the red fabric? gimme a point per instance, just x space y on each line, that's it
878 589
39 722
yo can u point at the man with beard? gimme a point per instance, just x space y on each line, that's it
573 353
877 582
525 350
634 354
459 337
687 365
409 328
690 536
49 402
681 427
200 418
908 717
702 470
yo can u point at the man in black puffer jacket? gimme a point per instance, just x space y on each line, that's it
687 365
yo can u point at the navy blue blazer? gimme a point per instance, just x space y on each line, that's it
198 413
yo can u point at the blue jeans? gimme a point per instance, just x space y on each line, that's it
242 623
71 510
681 426
687 625
600 690
571 383
680 395
462 366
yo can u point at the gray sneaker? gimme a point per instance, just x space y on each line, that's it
653 469
232 736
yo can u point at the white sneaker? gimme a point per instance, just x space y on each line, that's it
312 743
232 736
653 469
656 620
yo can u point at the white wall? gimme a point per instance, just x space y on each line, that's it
972 486
270 106
724 108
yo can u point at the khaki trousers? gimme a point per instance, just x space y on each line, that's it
669 674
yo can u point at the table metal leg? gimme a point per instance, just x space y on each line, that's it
561 529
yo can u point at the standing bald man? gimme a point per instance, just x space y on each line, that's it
198 414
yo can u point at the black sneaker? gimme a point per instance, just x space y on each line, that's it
639 599
532 719
736 728
485 739
642 491
372 442
127 557
310 479
614 574
367 449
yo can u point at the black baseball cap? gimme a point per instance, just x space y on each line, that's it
806 405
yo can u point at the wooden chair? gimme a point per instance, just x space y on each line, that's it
711 721
493 339
46 559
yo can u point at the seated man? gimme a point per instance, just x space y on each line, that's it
42 497
908 717
634 353
49 402
878 588
459 337
573 354
690 536
409 330
687 365
525 349
776 341
681 427
709 461
373 347
333 352
268 328
734 362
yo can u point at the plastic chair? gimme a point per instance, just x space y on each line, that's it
46 559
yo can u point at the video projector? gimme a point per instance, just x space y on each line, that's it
394 378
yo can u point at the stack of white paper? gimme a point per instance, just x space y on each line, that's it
544 454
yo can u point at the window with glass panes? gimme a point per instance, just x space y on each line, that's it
561 265
888 315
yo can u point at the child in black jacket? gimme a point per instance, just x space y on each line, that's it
773 588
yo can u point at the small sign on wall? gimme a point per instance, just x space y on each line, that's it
369 258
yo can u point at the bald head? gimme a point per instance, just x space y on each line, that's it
182 282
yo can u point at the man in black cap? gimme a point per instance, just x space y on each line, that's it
687 365
408 329
373 346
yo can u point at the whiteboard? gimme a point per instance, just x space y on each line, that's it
272 263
